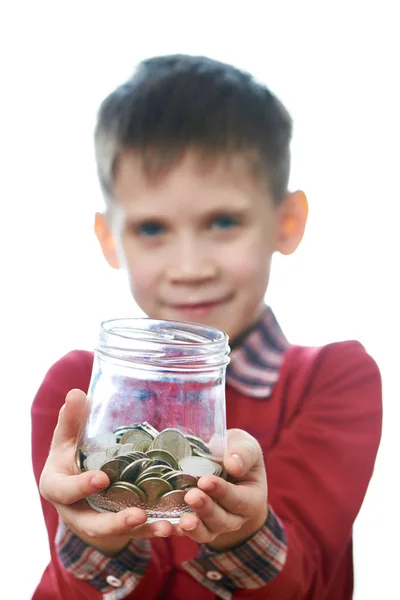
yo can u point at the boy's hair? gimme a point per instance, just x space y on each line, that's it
177 103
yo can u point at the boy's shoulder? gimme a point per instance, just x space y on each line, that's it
342 356
337 370
73 370
76 363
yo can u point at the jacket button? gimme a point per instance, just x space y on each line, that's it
213 575
114 581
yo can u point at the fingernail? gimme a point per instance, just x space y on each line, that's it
160 534
190 527
198 503
208 486
96 481
239 459
131 521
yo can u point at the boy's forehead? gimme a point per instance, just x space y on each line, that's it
133 176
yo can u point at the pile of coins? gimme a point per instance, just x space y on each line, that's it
146 468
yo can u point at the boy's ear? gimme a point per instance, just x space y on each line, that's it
104 234
292 214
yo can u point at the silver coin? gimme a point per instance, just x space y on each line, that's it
163 456
151 472
120 432
98 502
149 428
181 481
154 488
114 467
134 469
125 449
198 443
144 476
163 469
80 459
136 455
142 446
126 494
162 463
174 442
136 435
112 451
172 501
95 460
199 466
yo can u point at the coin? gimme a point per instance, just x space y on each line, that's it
112 450
163 455
95 460
197 443
199 466
154 488
126 494
181 481
147 468
136 435
125 448
144 476
142 446
163 469
134 469
172 501
136 455
114 467
120 431
149 428
80 459
174 442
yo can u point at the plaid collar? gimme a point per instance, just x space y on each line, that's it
256 361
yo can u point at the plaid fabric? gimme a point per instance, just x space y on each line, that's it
84 562
255 363
248 566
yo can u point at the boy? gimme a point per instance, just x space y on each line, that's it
193 160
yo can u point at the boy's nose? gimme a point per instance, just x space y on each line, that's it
191 264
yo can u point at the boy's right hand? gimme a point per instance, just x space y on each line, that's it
65 487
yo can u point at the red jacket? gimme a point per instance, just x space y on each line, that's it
319 431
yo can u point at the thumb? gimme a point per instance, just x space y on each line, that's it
71 419
243 454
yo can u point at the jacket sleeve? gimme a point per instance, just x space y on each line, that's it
139 571
319 470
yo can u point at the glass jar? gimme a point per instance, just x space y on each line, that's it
156 419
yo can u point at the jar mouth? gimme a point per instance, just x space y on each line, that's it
169 345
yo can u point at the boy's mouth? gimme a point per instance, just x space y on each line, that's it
199 309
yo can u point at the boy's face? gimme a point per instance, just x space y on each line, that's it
197 243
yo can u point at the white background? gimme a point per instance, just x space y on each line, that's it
336 66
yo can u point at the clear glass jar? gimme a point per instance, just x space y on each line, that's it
156 420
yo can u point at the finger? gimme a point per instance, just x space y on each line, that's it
129 522
89 524
243 455
214 517
71 418
60 488
241 499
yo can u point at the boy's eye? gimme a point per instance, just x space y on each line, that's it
224 222
150 229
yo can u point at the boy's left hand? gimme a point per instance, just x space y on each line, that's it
229 512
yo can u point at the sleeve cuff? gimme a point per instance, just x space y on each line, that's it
250 565
115 577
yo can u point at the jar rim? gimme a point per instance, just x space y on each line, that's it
164 344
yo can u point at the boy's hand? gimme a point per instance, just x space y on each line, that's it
240 508
63 486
